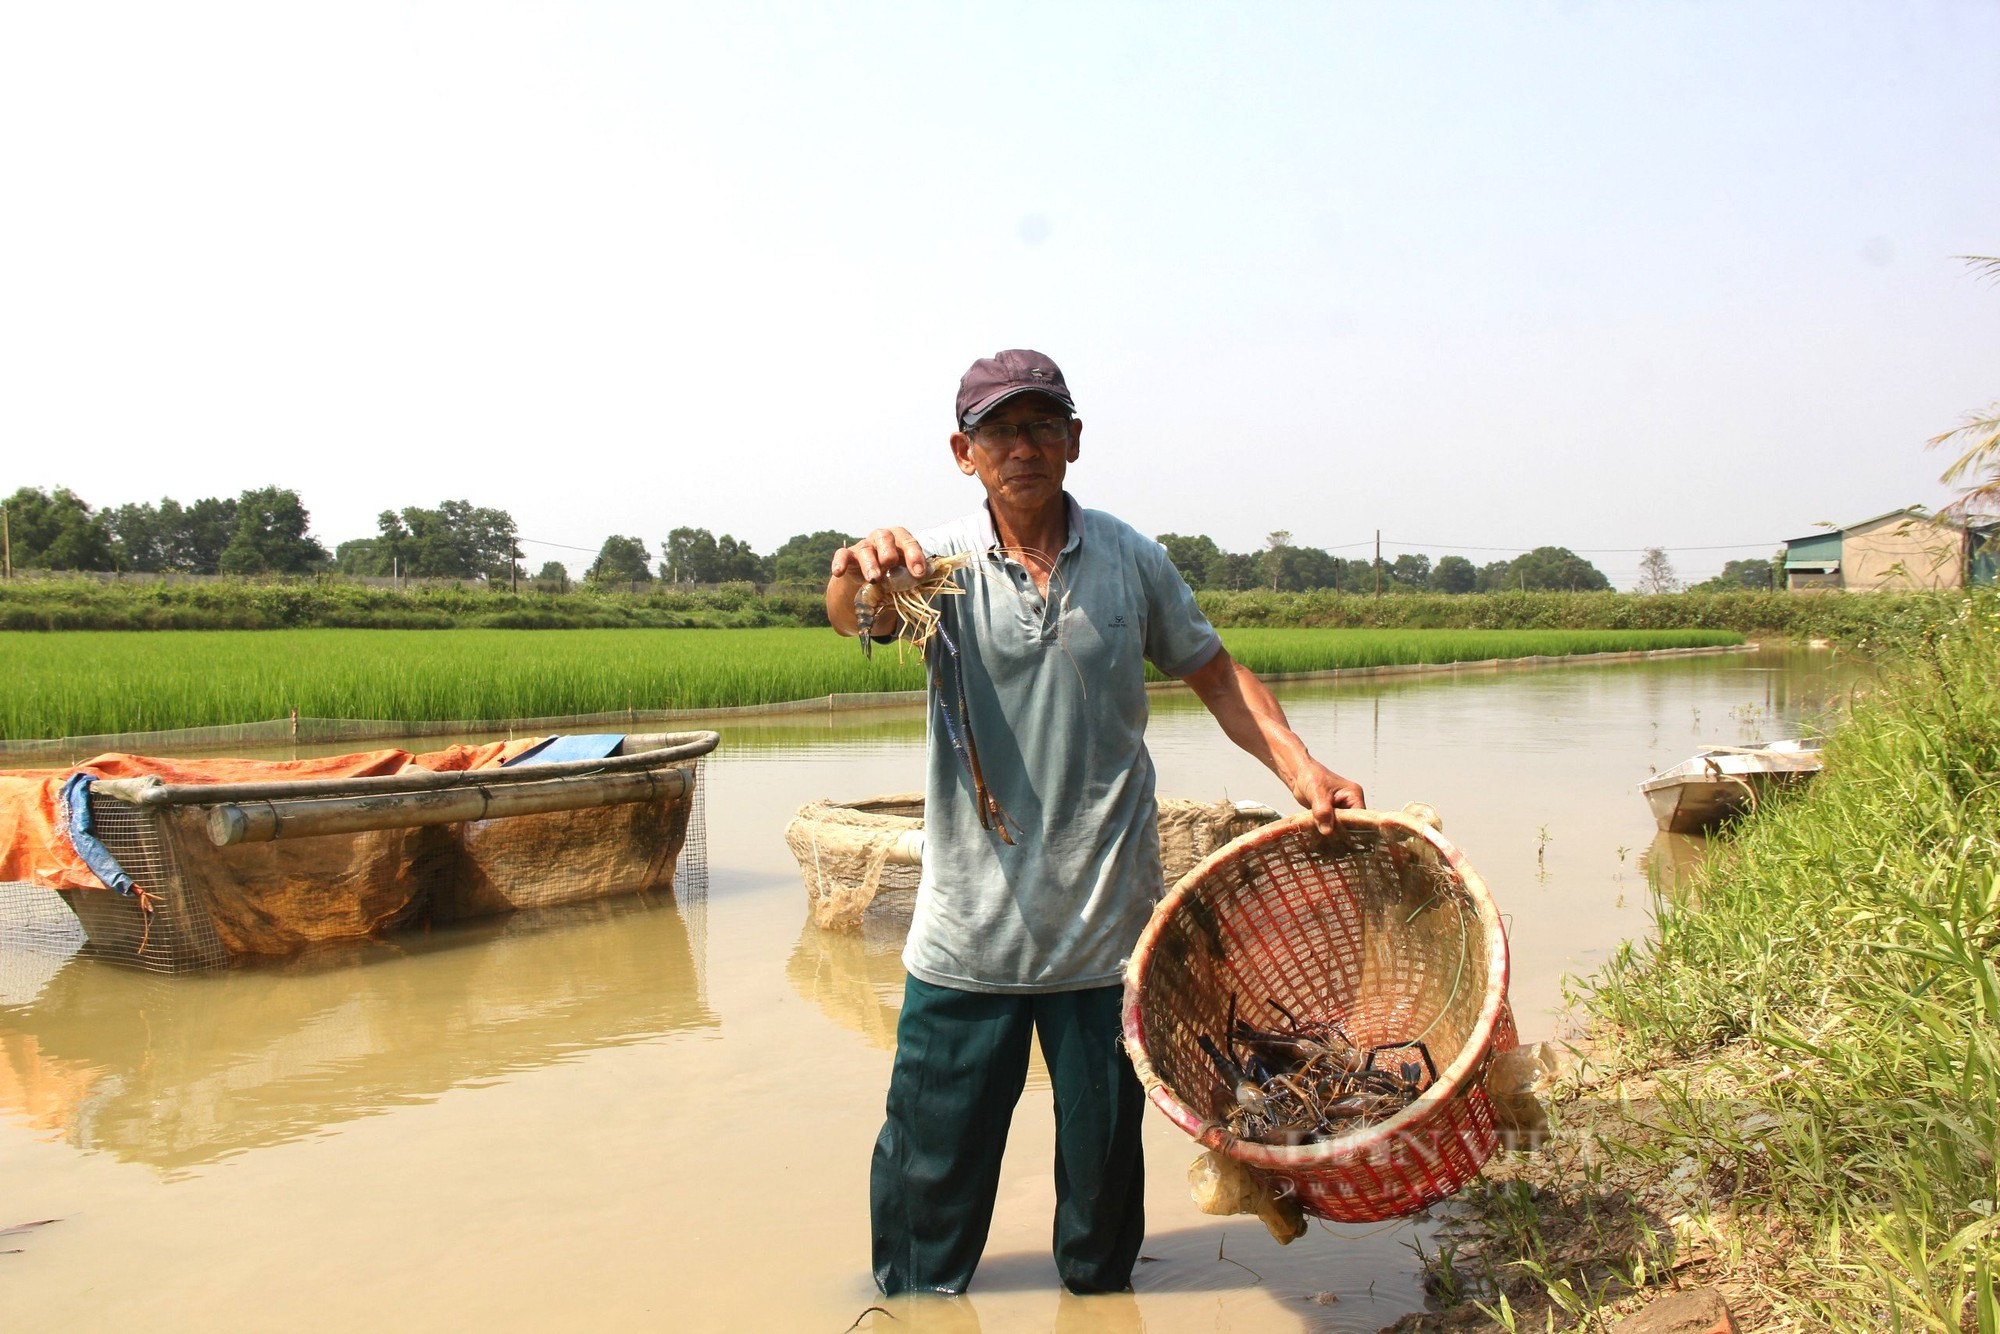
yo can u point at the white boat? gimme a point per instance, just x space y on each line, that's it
1722 781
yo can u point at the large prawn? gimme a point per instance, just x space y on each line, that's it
922 628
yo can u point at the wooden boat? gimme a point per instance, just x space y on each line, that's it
1723 781
228 870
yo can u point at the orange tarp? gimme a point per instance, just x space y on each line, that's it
35 847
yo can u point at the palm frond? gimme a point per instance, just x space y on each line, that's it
1980 433
1978 467
1988 265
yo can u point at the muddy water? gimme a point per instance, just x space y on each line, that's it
657 1113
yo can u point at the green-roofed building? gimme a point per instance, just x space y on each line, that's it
1903 549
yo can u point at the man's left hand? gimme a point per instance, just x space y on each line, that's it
1322 791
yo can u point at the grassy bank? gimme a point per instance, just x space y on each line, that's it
93 682
1799 1096
1837 616
330 603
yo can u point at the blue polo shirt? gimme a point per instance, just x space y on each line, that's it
1056 695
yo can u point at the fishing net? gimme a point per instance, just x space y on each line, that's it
853 853
203 905
863 858
1388 934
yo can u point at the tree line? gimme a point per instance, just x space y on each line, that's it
1284 566
266 531
261 531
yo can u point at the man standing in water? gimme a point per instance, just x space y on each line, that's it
1027 933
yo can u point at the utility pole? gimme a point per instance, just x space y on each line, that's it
1378 562
6 546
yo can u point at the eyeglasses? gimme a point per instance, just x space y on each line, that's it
1047 431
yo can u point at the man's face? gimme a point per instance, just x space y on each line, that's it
1022 463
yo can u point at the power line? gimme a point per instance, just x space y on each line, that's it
1585 551
1581 551
538 542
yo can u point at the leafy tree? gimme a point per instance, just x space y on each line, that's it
1310 567
695 555
1739 574
1453 574
1977 470
686 551
137 537
806 558
621 560
1234 570
1656 572
553 577
271 536
1194 557
361 556
194 538
457 540
56 531
1545 568
187 539
1276 548
736 560
1411 571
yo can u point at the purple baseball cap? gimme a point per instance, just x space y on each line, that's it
995 379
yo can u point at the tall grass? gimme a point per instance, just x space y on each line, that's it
91 682
1844 949
1837 616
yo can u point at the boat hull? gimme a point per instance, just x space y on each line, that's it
212 898
1722 783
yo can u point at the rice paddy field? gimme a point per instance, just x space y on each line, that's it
84 683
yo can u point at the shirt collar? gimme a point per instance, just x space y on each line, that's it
989 536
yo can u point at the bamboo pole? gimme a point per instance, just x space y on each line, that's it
678 748
265 821
907 850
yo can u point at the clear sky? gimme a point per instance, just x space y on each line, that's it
1603 275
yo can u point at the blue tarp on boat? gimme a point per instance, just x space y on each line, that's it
560 748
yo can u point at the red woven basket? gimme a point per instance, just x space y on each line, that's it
1394 936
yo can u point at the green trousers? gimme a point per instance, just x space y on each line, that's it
961 1062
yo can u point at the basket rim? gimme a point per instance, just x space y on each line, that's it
1454 1081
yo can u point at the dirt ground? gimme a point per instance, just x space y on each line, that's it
1605 1217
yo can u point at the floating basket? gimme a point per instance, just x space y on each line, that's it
1394 937
851 853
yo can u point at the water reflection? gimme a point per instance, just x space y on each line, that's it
854 977
1671 858
1108 1313
176 1072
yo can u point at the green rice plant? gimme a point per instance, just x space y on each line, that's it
1298 650
94 682
88 683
